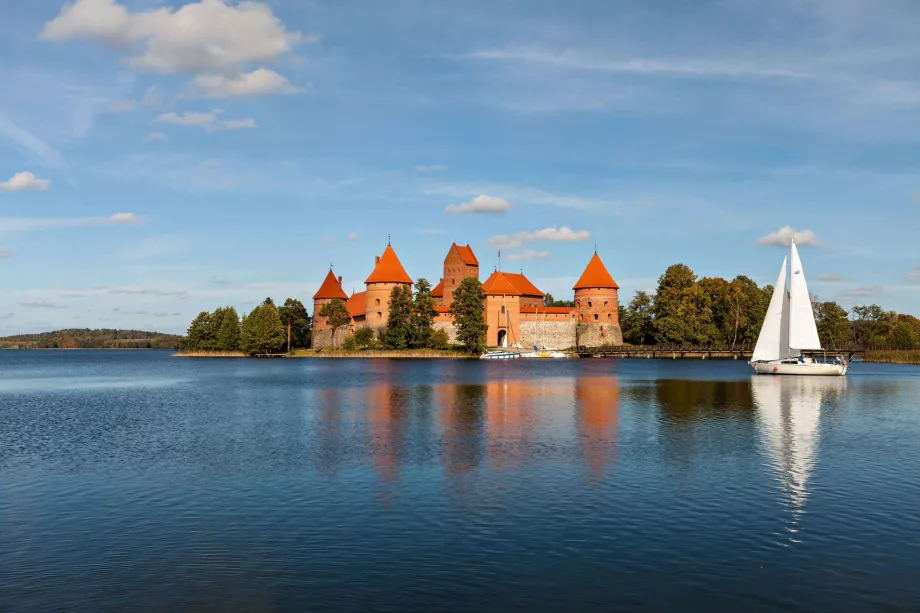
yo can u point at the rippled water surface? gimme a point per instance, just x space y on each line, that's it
137 481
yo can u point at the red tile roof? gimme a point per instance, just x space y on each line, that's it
357 304
442 308
330 289
467 255
389 269
509 284
596 275
438 291
548 310
523 283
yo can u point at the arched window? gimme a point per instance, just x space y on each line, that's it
589 304
605 303
503 308
378 302
453 281
609 316
595 317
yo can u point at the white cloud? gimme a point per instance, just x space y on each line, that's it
260 82
210 35
561 234
913 276
863 291
526 195
528 254
430 168
28 141
6 254
353 236
219 280
832 278
24 181
682 67
125 218
783 238
24 224
329 239
42 304
122 105
154 137
486 205
209 122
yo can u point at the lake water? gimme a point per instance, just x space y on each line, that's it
137 481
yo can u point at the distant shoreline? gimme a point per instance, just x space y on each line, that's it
409 354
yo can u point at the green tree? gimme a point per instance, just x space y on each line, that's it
671 303
903 336
336 314
468 309
438 339
423 313
833 325
262 330
295 315
199 332
550 302
228 335
400 330
637 320
867 324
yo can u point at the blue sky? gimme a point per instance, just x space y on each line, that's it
159 159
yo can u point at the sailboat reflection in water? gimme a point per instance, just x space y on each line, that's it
789 411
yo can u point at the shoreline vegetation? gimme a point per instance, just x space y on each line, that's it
892 356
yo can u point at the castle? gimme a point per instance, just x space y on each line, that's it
514 309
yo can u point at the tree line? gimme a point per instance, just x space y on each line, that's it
711 311
76 338
264 330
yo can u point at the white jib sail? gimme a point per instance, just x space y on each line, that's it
803 333
771 340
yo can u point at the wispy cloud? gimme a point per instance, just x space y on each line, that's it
156 246
528 254
209 122
21 224
561 234
430 168
681 66
832 278
29 142
480 205
783 238
42 304
862 291
6 253
22 181
913 276
523 195
353 236
154 137
260 82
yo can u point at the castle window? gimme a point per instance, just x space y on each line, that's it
378 301
609 316
503 308
379 315
453 281
605 303
589 304
595 317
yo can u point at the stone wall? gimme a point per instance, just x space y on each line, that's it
552 334
323 338
449 327
596 335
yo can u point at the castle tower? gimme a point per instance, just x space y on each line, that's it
328 291
597 306
388 273
460 264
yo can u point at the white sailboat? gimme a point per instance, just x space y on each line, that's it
789 328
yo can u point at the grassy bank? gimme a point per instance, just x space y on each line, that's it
406 354
893 356
210 354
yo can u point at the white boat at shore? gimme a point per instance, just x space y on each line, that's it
789 329
544 354
501 354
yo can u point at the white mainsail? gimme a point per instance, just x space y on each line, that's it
803 333
773 343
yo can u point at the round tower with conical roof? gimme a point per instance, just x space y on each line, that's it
388 273
330 290
597 306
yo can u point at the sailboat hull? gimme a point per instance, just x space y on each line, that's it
787 367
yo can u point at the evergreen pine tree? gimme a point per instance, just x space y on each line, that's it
423 314
468 309
399 322
228 335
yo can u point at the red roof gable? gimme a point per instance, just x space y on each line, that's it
467 255
389 269
438 291
499 284
442 309
357 304
523 284
330 289
596 275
